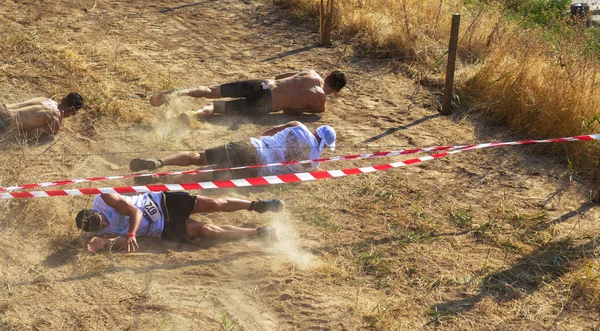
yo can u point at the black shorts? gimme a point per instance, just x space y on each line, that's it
4 119
177 207
234 154
257 101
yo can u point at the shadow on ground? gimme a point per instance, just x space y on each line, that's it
528 275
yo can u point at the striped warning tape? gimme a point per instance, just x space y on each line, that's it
279 179
196 171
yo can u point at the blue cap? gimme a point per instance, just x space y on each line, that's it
327 135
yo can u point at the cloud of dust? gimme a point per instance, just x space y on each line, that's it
289 243
168 125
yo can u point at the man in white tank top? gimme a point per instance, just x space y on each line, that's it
293 92
38 117
292 141
119 219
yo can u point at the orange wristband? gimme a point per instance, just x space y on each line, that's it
130 234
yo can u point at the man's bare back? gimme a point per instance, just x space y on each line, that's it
36 116
301 92
41 116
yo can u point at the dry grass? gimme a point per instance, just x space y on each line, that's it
541 84
414 255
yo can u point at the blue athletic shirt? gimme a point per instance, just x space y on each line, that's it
153 220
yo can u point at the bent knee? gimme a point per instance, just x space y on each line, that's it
205 230
191 154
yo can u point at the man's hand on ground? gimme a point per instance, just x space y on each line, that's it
131 244
95 244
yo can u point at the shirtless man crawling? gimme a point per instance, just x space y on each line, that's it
38 117
294 93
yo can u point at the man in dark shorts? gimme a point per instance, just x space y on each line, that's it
292 141
119 219
294 93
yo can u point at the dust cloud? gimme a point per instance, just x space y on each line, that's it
289 243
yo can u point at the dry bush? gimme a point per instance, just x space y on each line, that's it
540 89
411 29
540 83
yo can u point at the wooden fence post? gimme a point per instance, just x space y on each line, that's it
447 104
321 18
596 198
325 17
328 25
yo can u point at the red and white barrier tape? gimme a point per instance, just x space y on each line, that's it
196 171
279 179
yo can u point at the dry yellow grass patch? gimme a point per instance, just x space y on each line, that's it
542 85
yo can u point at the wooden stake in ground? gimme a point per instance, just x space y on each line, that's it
447 104
321 18
325 18
328 25
596 198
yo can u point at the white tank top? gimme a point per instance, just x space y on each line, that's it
292 144
153 220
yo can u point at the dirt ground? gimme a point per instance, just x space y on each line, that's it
480 240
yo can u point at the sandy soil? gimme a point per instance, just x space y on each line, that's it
322 275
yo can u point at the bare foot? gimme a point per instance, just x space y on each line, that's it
95 244
160 98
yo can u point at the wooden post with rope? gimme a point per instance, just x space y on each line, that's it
447 104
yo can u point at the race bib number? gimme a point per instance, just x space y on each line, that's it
152 212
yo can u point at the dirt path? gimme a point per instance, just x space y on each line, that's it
377 251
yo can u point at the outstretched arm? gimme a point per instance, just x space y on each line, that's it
278 128
123 207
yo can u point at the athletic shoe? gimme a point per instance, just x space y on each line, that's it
267 233
158 99
263 206
143 164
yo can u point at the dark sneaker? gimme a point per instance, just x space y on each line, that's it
160 98
263 206
267 233
143 164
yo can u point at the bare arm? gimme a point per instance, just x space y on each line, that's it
278 128
49 129
286 75
123 207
